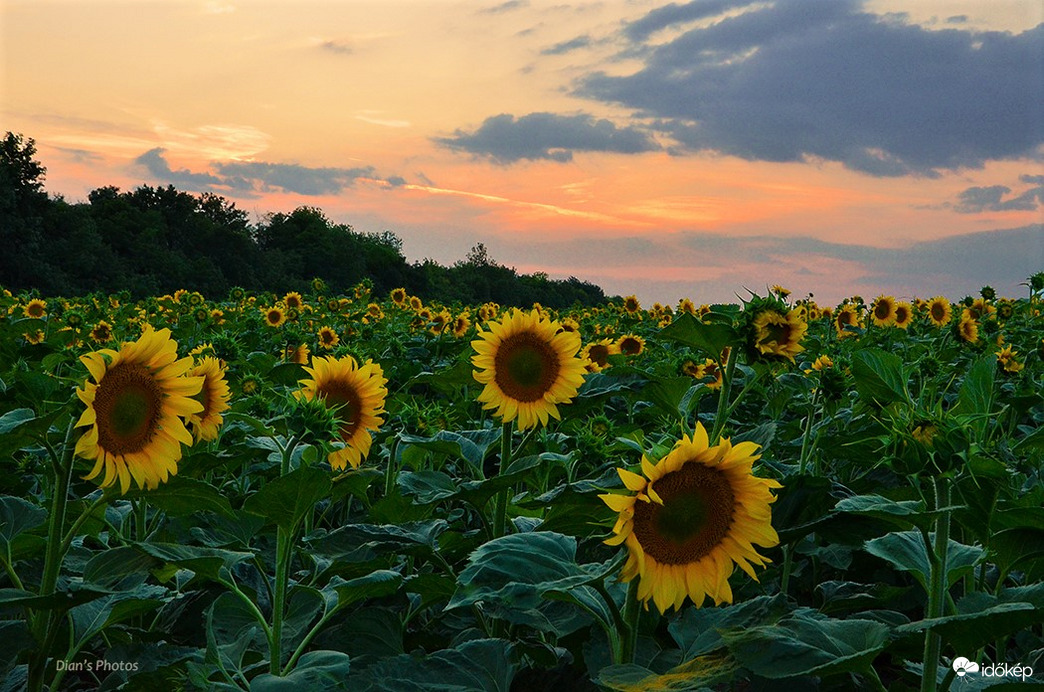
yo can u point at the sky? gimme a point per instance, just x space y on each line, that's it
702 149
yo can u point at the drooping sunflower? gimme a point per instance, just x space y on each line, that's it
274 316
359 391
461 325
883 311
904 314
328 338
528 367
778 334
35 308
134 409
939 311
214 396
691 519
631 345
597 354
968 328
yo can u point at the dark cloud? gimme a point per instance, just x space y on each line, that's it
339 47
80 155
567 46
253 177
507 139
157 166
506 7
821 79
976 200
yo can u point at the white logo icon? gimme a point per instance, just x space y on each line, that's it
962 666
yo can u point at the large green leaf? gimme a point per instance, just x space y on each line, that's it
698 631
364 542
16 517
807 643
705 672
711 338
181 496
879 376
325 670
983 618
341 594
975 397
471 446
286 500
205 562
13 419
906 551
481 665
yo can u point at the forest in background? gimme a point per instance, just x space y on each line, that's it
155 240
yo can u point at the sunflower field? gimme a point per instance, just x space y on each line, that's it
368 492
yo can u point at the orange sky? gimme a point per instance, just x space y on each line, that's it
377 88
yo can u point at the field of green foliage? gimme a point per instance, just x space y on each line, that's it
367 492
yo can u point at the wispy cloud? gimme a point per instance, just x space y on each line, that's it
975 200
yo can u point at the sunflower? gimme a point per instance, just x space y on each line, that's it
686 305
939 311
528 367
274 316
597 354
102 332
327 337
359 392
883 311
847 316
631 345
461 325
398 296
631 305
1006 359
569 325
903 314
777 334
693 517
416 303
214 396
297 354
35 338
968 328
134 410
35 308
293 300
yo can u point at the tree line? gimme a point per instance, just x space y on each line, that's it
155 240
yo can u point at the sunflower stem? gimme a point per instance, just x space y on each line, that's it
632 615
43 628
803 461
284 547
504 496
723 396
937 586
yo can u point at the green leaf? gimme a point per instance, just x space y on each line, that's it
698 631
515 571
602 383
904 513
975 396
711 338
364 542
981 619
807 643
12 419
669 393
906 551
472 448
481 665
705 672
879 376
16 517
286 500
181 496
288 374
341 594
316 670
205 562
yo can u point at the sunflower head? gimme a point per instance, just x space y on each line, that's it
35 309
356 393
939 311
772 330
328 338
631 345
134 410
631 305
398 296
528 366
689 519
213 395
274 316
904 313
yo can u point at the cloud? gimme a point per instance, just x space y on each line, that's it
975 200
338 47
797 80
567 46
507 139
250 178
506 7
157 166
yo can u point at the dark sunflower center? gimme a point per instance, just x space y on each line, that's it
778 332
629 346
599 353
694 518
882 310
127 403
901 315
526 366
347 398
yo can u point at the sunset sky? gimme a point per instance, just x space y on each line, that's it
687 149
